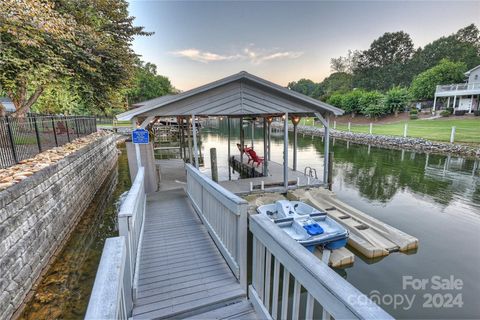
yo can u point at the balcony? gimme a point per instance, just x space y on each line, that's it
459 89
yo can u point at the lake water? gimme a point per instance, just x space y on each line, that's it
64 291
434 198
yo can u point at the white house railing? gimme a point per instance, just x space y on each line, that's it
276 256
458 87
130 221
225 216
111 296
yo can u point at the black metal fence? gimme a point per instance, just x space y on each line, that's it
23 138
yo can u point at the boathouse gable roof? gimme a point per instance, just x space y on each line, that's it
236 95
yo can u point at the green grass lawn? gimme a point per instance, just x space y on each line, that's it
467 130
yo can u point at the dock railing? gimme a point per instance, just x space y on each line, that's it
116 280
273 250
111 296
225 216
130 222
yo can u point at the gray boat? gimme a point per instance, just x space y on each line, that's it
307 225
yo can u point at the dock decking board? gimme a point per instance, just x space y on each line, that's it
181 271
274 178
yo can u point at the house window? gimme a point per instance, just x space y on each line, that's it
476 77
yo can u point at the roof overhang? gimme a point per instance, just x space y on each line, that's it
238 95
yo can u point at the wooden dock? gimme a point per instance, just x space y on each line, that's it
273 181
181 253
181 271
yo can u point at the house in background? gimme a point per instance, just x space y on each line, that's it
462 97
8 104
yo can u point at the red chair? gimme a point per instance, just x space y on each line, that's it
252 155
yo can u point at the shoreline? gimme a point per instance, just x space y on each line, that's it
392 142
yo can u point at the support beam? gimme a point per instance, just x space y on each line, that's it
228 148
326 142
434 103
195 146
285 152
295 140
189 134
265 148
454 103
146 122
269 141
137 147
471 104
242 139
253 131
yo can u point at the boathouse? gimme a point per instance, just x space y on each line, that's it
182 251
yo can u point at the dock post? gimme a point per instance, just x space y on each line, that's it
252 123
269 136
265 148
228 148
326 149
137 147
295 144
195 146
189 134
213 164
242 140
330 170
285 152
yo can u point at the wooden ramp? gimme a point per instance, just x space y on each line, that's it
181 272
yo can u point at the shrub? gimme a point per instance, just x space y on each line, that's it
414 111
396 99
413 116
375 110
445 113
477 112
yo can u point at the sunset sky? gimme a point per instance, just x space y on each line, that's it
198 42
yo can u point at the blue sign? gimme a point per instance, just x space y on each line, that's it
140 136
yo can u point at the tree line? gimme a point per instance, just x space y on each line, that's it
73 57
391 73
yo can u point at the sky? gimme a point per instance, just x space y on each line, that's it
282 41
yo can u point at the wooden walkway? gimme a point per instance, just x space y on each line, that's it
181 271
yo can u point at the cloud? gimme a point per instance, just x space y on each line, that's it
255 56
202 56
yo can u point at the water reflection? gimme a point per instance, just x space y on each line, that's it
432 197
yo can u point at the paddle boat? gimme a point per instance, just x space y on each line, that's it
307 225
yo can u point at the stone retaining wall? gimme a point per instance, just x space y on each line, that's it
38 213
392 142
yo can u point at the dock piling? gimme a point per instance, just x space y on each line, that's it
213 164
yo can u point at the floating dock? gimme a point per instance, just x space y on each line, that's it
368 235
338 258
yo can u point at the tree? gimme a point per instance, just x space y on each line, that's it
446 72
345 64
306 87
396 99
462 46
338 81
147 84
390 48
383 64
45 41
470 34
